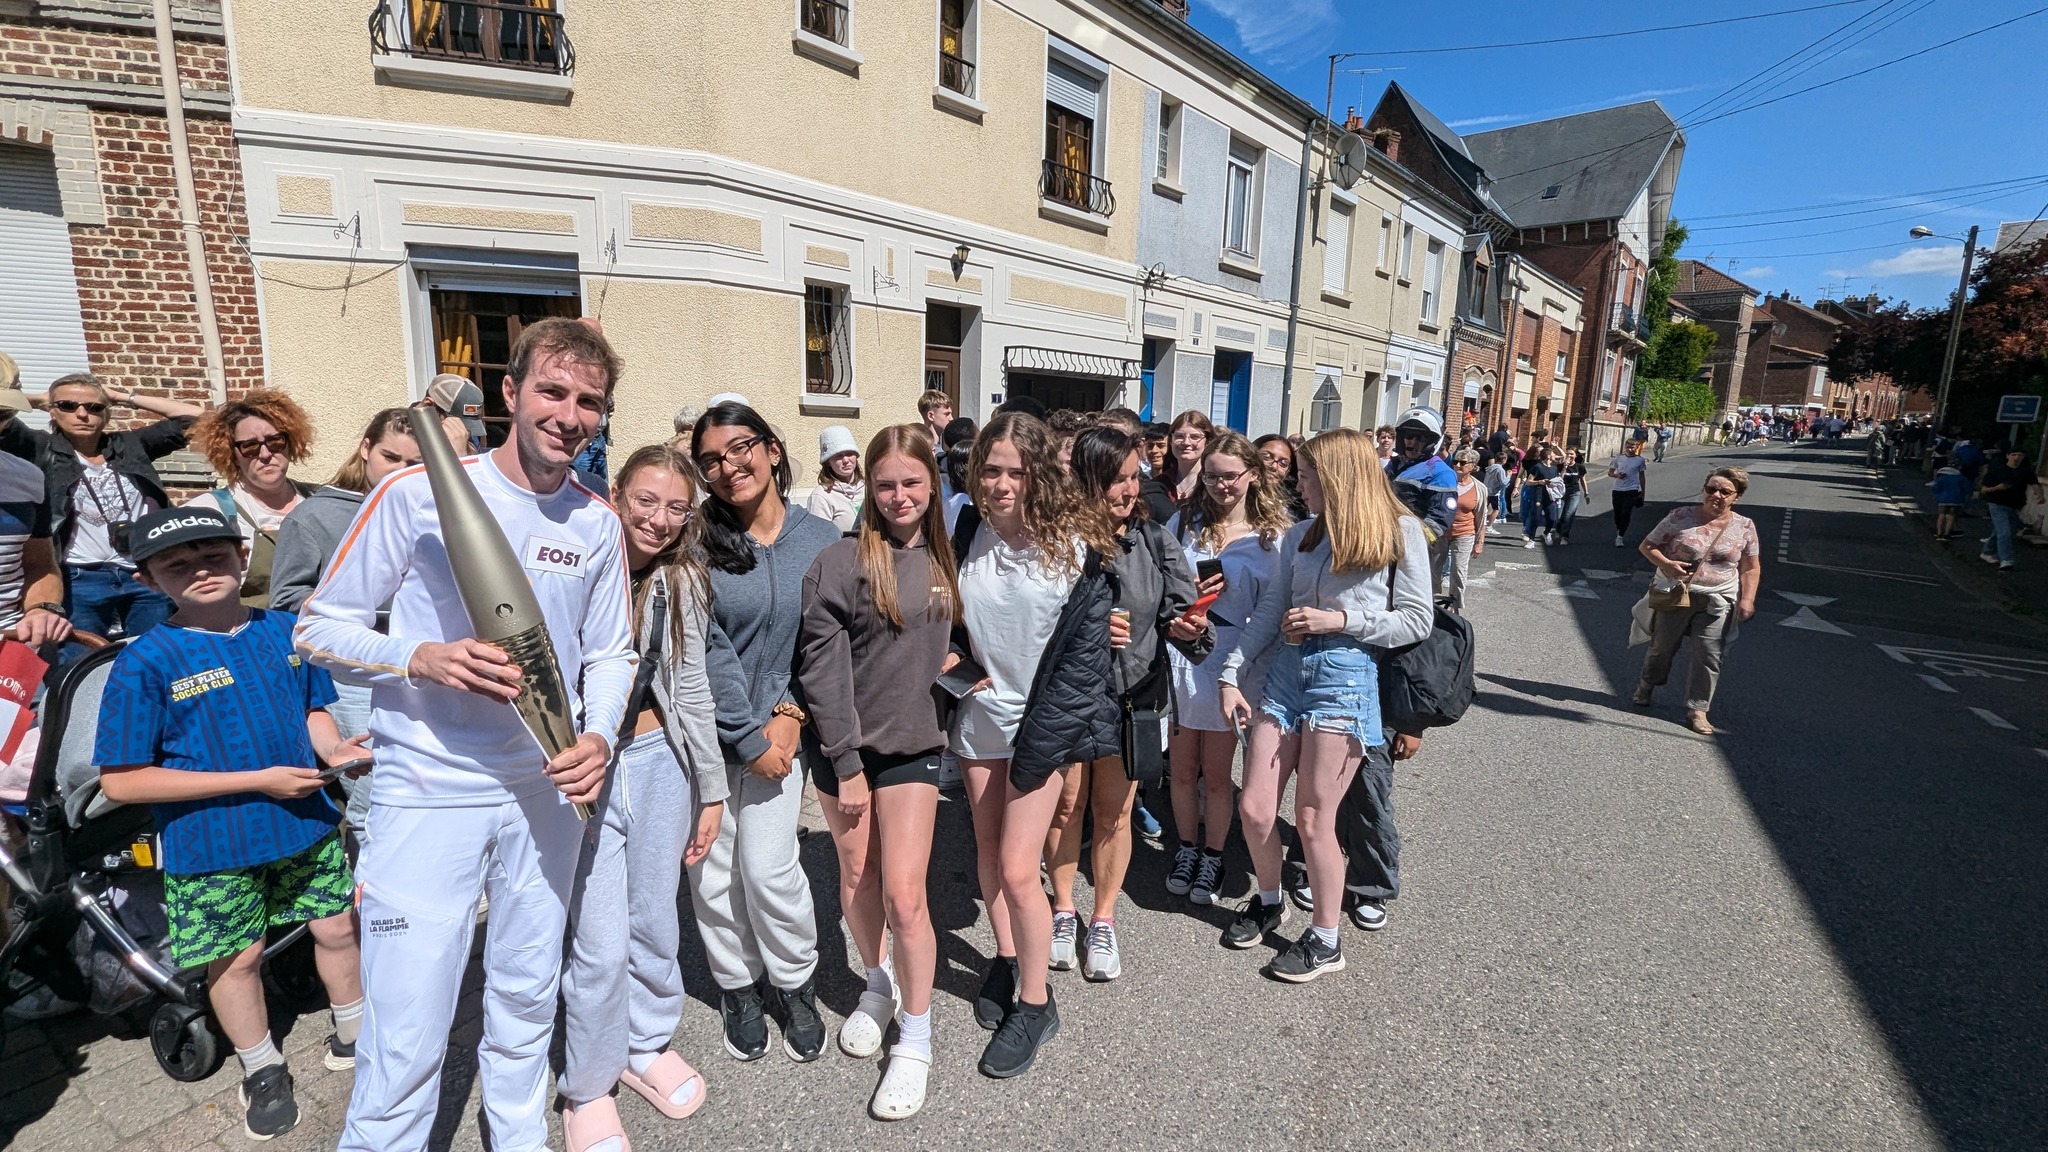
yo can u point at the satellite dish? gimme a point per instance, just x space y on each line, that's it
1349 164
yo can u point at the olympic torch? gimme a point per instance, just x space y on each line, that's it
495 592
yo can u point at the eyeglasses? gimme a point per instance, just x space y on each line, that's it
1713 490
735 454
277 444
90 407
647 506
1219 480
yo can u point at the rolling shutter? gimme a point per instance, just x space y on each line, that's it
40 324
1071 88
1337 252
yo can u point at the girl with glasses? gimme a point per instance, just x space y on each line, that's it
622 989
878 615
1712 552
1234 524
1358 582
1276 452
252 442
1035 603
753 900
1186 440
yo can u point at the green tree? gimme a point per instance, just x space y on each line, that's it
1677 351
1663 278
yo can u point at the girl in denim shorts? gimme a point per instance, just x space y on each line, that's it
1358 582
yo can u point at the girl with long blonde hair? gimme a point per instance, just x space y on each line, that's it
878 613
1358 582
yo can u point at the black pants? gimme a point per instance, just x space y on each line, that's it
1365 826
1625 505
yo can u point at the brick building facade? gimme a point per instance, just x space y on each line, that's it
1786 364
1728 306
84 134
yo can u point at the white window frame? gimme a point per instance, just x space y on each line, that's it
1405 259
1386 241
1337 245
1564 365
1432 279
1166 156
837 53
966 103
1626 389
1248 165
1608 375
843 337
1098 162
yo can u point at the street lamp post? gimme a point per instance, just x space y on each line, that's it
1955 322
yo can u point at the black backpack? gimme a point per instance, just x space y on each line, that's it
1429 684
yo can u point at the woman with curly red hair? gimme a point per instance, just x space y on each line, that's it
252 441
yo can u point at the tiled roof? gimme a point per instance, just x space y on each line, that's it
1693 276
1590 166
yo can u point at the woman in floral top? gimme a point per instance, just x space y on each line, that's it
1714 553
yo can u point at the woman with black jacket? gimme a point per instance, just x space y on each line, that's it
879 608
1035 604
1154 590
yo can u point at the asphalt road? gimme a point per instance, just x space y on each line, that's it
1822 928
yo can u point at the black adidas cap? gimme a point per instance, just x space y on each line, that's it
171 526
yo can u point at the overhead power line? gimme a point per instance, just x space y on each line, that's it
1911 208
1869 199
1612 35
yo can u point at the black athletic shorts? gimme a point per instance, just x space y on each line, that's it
881 771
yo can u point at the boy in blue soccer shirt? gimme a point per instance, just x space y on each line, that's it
214 721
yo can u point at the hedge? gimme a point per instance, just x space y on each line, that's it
1677 401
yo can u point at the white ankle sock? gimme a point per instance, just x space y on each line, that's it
916 1031
1327 935
1269 895
640 1062
261 1056
348 1021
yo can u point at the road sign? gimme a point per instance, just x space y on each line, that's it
2021 409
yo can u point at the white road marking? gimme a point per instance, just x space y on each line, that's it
1513 566
1805 619
1994 719
1809 600
1604 574
1577 591
1785 557
2043 752
1968 664
1936 683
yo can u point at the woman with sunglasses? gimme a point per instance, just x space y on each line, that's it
1359 582
622 989
1713 553
96 484
879 609
1234 523
1154 590
753 900
252 442
1035 605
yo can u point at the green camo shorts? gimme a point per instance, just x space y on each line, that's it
214 915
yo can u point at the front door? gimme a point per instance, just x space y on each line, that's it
1230 390
942 373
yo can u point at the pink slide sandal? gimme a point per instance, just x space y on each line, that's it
592 1124
669 1073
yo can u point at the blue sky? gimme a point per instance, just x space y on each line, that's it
1868 153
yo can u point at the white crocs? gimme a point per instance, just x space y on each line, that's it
861 1035
901 1092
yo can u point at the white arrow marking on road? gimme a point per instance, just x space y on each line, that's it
1804 618
1604 574
1936 683
1514 567
1968 663
1577 590
1808 599
1994 719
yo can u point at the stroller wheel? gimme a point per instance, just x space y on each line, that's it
186 1046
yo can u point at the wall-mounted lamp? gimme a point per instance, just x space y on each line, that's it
960 252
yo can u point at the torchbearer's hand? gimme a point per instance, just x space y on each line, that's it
708 818
579 771
467 666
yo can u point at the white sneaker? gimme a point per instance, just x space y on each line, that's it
1066 929
901 1092
1620 541
1528 541
860 1036
1104 962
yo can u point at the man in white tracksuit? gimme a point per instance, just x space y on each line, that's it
462 801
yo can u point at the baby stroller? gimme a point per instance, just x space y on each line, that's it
87 914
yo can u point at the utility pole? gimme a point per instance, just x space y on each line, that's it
1955 333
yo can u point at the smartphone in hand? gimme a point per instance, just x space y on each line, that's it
336 771
961 679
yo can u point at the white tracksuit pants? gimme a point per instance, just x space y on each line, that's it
753 900
420 875
622 991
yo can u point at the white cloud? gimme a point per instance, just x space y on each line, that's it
1947 259
1759 273
1574 109
1275 29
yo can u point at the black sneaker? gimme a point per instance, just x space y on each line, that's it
746 1029
1252 924
1182 877
339 1057
1306 959
267 1094
1014 1047
998 993
1294 878
1208 878
796 1013
1369 915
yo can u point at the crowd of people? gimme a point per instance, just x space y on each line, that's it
1074 613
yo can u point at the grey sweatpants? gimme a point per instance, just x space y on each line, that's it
753 900
622 990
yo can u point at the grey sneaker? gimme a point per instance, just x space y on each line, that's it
1183 875
1066 927
1208 877
1306 959
267 1096
1104 962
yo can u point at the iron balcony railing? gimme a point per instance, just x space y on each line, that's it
825 19
956 73
507 34
1076 189
1629 324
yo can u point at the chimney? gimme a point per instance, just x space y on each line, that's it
1175 7
1352 121
1388 141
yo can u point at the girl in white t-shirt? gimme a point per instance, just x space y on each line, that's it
1631 476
